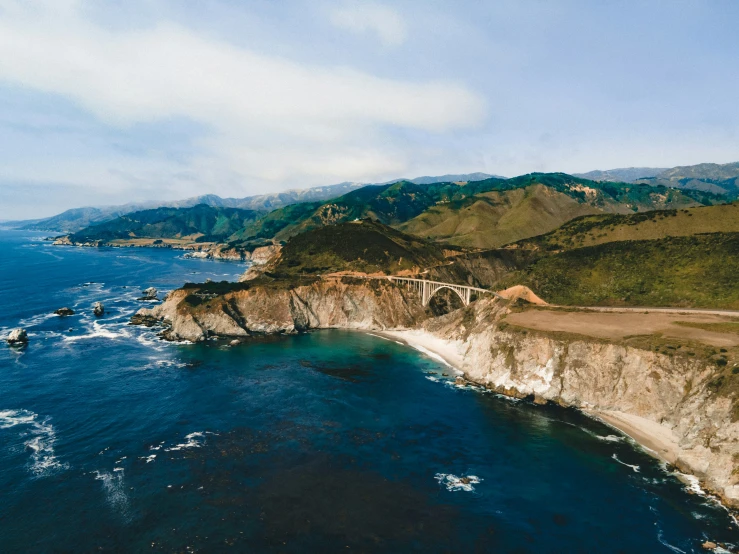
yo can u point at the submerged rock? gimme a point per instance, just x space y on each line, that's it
64 311
17 337
149 294
98 309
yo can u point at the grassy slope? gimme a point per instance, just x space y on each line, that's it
688 271
491 219
364 246
212 223
600 229
476 213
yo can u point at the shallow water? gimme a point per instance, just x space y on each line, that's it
113 440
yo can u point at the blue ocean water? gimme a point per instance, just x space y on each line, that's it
111 440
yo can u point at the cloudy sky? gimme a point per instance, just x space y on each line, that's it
111 101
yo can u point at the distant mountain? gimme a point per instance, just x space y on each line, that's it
622 175
716 178
450 178
481 214
77 219
201 223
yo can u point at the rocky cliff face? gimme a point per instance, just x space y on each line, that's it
677 394
194 313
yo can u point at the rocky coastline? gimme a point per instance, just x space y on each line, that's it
667 404
259 255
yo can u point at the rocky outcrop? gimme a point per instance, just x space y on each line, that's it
678 396
64 312
17 337
98 309
194 314
149 294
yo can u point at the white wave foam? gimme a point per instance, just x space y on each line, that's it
114 489
433 355
101 331
454 483
40 442
192 442
35 320
381 337
150 458
666 544
635 468
432 378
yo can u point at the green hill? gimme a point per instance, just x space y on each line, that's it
480 214
720 179
364 246
201 222
599 229
683 271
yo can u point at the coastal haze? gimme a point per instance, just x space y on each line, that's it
368 276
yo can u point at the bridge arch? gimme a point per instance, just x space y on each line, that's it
463 295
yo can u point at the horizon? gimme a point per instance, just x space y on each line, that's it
107 104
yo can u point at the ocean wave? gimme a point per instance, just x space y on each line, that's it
454 483
115 491
194 440
101 331
35 320
633 467
40 442
434 356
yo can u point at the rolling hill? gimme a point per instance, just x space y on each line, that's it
364 246
481 214
591 230
199 223
720 179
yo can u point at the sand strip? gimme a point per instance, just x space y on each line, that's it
448 352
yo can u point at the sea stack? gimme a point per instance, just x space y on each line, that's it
150 294
98 309
64 311
18 337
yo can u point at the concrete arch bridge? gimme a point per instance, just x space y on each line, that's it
427 289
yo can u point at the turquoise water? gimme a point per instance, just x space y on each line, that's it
331 441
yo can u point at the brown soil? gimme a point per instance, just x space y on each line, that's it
619 325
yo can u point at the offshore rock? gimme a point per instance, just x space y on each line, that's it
149 294
64 312
18 337
193 314
98 309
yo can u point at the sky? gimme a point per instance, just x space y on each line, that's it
114 101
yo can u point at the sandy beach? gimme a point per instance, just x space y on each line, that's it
655 438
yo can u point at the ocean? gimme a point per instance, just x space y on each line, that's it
112 440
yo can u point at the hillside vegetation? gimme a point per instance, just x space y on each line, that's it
200 222
481 214
720 179
599 229
363 246
684 271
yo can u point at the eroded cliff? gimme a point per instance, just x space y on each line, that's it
198 312
679 402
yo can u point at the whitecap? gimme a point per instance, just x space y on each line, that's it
114 489
432 378
635 468
100 331
454 483
192 442
40 442
666 544
150 458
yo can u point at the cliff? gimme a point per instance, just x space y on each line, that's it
679 406
200 311
684 408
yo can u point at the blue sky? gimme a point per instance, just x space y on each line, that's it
110 102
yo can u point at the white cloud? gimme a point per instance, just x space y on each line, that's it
268 118
361 17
